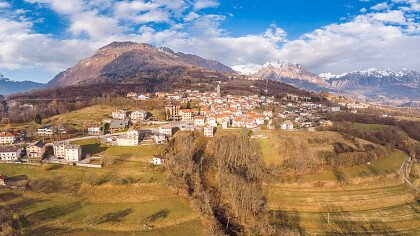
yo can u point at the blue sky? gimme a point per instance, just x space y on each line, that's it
39 38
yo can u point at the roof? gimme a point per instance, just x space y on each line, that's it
59 143
6 134
118 124
9 149
39 144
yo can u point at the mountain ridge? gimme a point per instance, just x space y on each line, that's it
130 60
8 86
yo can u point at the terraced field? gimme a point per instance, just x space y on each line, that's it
128 196
369 207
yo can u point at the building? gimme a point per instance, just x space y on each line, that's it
94 130
119 114
116 125
166 130
157 161
218 92
131 138
138 116
7 138
36 150
287 125
199 120
326 123
47 130
186 114
73 152
160 138
59 149
209 131
172 112
11 153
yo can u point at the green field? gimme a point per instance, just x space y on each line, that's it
128 196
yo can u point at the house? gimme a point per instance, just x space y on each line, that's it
160 138
166 130
36 150
157 161
172 112
138 116
3 180
73 152
131 138
7 138
287 125
119 114
186 114
209 131
142 97
118 125
47 130
94 130
11 153
59 148
199 120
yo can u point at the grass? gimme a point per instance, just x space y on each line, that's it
385 207
368 127
270 153
127 197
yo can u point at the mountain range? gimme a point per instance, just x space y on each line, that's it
371 84
8 86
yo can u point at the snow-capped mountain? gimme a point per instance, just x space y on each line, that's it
373 78
287 72
374 83
247 69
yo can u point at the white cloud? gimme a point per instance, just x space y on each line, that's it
4 4
201 4
380 6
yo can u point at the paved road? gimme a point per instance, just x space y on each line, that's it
404 174
88 137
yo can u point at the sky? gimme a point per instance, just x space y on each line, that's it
40 38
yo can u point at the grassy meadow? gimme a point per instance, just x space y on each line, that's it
127 197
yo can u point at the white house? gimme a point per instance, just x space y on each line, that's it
131 138
94 130
199 120
157 161
160 138
7 138
186 114
73 152
119 114
59 148
166 130
287 125
138 115
209 131
10 153
46 131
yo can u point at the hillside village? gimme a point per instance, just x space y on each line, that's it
189 110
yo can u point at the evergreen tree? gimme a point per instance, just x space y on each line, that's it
38 119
